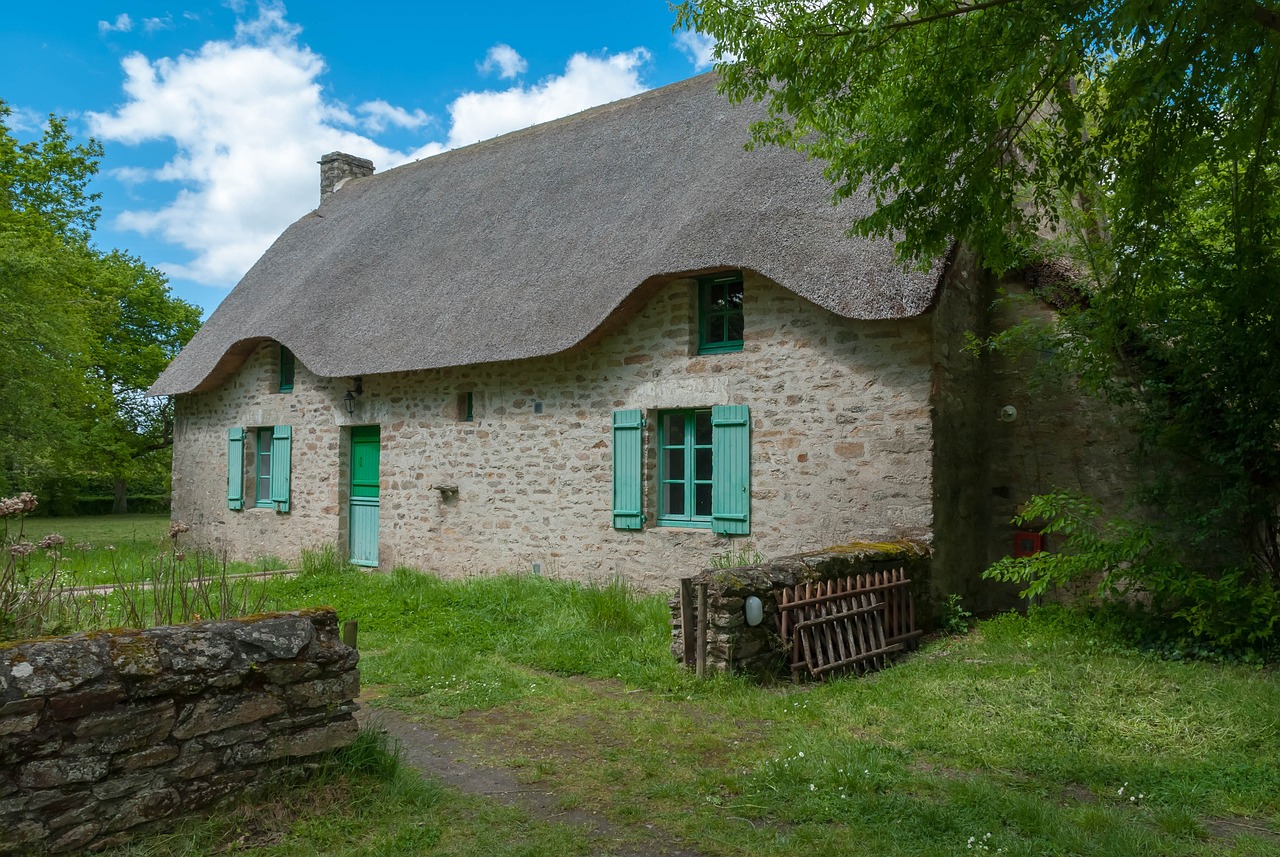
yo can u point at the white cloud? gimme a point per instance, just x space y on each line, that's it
248 120
698 47
505 59
378 115
151 25
122 24
25 119
587 81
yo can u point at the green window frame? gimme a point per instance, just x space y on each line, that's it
685 466
262 469
288 366
720 319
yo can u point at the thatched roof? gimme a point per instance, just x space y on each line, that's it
524 245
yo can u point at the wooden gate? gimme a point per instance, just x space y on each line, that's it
847 624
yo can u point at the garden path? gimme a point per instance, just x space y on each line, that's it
448 761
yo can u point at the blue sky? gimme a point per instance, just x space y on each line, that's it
213 115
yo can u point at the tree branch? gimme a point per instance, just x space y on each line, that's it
950 13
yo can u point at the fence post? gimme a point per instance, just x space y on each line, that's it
687 620
702 630
349 628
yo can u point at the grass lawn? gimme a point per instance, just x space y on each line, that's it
1028 736
99 549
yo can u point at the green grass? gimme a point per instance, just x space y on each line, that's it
102 549
362 801
1027 729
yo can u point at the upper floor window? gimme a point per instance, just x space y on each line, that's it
262 469
286 370
720 313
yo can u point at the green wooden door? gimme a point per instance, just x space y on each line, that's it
366 444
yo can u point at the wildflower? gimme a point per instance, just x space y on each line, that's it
52 541
22 549
109 547
800 754
83 546
179 556
177 528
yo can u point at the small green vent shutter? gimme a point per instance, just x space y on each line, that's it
731 478
281 440
235 468
627 433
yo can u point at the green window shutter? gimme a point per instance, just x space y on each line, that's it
731 479
287 368
627 433
235 468
281 440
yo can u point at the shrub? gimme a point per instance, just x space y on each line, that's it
1229 609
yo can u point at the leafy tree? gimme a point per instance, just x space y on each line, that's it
1140 136
82 333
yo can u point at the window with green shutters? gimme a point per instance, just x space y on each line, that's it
268 466
287 367
720 321
703 470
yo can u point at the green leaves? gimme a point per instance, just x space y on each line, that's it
1143 136
82 333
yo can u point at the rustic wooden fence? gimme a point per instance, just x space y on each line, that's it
848 624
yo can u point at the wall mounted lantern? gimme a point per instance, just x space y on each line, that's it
349 400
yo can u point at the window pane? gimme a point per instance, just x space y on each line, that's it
735 327
702 499
675 498
714 330
733 296
673 430
702 464
715 297
673 464
702 428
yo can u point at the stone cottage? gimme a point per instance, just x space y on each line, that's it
616 343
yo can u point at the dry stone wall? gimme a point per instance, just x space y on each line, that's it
735 646
103 732
841 444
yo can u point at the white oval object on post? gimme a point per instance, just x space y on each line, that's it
754 610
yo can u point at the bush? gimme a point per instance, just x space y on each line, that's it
1228 610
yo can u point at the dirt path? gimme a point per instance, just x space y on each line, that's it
452 764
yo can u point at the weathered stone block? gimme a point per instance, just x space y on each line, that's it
312 741
147 758
219 712
21 706
123 784
75 838
314 694
19 725
71 705
279 638
52 773
290 672
142 808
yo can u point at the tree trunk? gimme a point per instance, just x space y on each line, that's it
121 504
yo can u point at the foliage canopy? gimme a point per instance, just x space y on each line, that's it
83 332
1138 136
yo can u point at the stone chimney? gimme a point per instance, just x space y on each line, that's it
337 167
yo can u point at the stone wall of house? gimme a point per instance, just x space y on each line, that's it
735 646
987 462
841 444
103 732
1060 439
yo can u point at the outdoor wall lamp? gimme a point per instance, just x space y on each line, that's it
349 400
